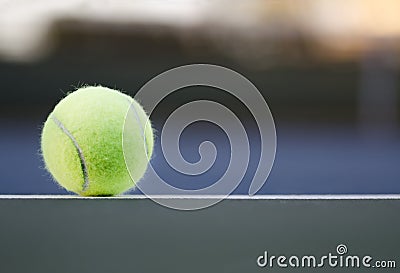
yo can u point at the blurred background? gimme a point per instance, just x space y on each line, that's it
329 71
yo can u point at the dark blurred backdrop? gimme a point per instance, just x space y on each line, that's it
332 88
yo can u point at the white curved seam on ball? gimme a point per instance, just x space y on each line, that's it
79 150
140 124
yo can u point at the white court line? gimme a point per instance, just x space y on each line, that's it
231 197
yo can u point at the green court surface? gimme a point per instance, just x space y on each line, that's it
134 234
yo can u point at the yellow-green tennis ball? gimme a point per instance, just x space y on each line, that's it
89 148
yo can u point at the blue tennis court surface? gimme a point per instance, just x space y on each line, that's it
310 159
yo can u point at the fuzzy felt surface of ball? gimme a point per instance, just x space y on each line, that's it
89 148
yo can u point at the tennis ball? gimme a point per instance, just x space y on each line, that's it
97 142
